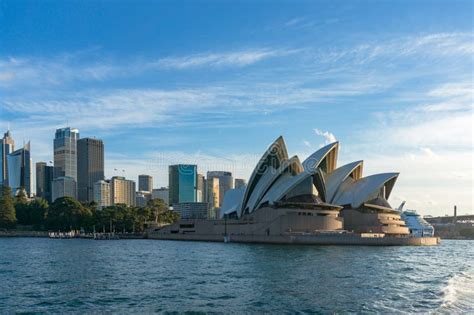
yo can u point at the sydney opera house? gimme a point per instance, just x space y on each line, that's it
314 201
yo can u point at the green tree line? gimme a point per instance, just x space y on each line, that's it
66 214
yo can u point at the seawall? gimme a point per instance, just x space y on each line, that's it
349 239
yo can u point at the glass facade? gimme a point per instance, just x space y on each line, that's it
182 183
44 178
65 153
7 146
19 170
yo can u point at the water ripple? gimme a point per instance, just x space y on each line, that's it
130 276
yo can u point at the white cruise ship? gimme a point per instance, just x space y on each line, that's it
417 225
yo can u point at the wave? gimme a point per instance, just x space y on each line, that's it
458 294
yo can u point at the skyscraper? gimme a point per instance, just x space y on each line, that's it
212 196
122 190
182 183
90 167
44 178
200 188
145 183
7 146
226 182
19 170
65 152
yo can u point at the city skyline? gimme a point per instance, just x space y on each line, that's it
398 98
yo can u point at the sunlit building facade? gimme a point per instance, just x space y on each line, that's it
102 194
213 196
122 191
226 182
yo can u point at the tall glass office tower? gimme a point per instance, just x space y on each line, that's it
182 183
90 167
19 170
7 146
65 153
44 179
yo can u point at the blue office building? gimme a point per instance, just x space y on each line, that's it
182 183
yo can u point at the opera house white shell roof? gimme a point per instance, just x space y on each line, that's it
278 178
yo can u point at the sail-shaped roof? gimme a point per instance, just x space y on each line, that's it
337 177
277 178
232 201
327 155
273 157
355 193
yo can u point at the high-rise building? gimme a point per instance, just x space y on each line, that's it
182 183
239 183
226 182
44 179
161 193
200 188
19 170
65 153
7 146
102 194
90 167
122 190
64 186
145 183
212 196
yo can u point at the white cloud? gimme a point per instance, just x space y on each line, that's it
328 136
238 59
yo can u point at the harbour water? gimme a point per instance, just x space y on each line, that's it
49 275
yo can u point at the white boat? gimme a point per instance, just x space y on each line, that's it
417 225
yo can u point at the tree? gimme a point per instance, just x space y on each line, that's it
169 216
67 213
21 196
7 209
157 208
38 210
21 208
142 214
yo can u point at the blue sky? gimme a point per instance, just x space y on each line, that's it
215 82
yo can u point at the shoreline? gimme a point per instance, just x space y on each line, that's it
44 234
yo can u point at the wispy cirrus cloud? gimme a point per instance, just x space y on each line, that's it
110 108
226 59
63 69
66 68
393 50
